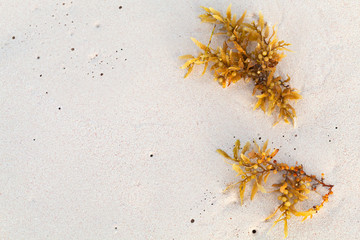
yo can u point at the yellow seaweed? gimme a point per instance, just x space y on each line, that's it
293 188
236 60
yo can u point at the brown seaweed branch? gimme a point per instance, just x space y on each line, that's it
258 164
238 60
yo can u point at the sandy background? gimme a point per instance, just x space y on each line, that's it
108 141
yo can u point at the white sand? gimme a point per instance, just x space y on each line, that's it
85 171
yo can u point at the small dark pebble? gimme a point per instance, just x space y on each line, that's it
192 220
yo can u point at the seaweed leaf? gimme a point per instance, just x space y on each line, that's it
238 169
228 12
242 192
199 44
224 154
236 149
189 71
254 189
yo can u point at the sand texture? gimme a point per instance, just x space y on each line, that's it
102 138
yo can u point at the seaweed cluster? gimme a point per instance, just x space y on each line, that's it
251 52
258 164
